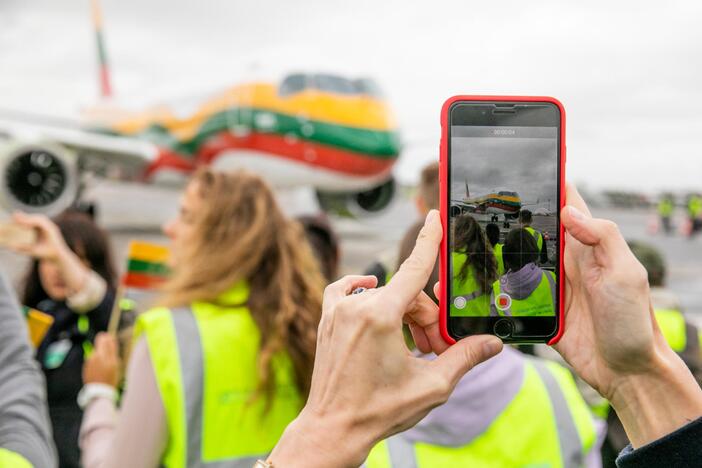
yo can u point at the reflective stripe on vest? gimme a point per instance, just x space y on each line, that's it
570 436
191 358
537 236
540 302
205 360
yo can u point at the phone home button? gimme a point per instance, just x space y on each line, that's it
503 328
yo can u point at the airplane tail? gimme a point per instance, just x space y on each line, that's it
104 69
467 190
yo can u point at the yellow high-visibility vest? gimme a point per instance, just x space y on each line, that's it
537 235
540 302
206 362
547 424
467 293
497 249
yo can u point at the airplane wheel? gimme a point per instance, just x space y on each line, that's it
506 225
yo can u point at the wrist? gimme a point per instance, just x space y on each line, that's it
93 390
323 440
655 403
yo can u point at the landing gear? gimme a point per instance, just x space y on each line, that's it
505 224
494 218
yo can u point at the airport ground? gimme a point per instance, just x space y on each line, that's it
130 211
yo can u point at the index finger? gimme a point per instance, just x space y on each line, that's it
415 271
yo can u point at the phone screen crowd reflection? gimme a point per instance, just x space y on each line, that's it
503 221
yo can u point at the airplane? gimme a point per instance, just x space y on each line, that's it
330 132
498 202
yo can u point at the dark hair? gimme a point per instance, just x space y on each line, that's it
520 249
470 240
525 216
492 231
86 240
324 243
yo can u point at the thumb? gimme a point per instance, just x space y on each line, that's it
593 231
466 354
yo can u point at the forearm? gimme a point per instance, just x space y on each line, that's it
73 271
655 404
313 441
97 432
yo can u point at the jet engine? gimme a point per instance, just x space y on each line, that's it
38 177
358 204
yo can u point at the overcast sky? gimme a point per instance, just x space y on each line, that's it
523 165
628 72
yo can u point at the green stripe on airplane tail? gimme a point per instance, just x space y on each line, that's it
375 143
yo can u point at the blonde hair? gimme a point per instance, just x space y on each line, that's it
240 234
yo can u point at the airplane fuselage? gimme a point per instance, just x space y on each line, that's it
312 137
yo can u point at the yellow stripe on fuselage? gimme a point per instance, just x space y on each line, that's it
360 111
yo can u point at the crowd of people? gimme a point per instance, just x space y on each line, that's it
255 353
500 279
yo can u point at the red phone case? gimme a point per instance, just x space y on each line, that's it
443 187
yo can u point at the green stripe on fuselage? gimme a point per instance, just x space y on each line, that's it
376 143
147 268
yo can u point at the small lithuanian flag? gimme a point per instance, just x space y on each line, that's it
146 265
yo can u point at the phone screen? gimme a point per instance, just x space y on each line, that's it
503 220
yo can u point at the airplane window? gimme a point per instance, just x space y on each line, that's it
368 87
293 84
334 84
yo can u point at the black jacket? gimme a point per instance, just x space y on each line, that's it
680 449
64 375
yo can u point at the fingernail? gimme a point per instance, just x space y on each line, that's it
576 213
492 346
431 216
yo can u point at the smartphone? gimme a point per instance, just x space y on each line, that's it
502 171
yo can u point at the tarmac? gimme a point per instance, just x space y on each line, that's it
132 211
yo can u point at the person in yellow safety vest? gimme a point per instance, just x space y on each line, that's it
511 411
473 269
682 336
694 212
525 220
492 231
221 368
525 289
666 206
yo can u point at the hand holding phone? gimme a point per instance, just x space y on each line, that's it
13 234
502 170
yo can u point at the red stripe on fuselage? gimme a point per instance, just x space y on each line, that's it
294 149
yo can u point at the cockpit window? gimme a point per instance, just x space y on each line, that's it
368 87
329 83
334 84
293 84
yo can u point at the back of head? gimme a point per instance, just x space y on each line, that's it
324 243
651 259
240 234
87 240
468 238
429 186
520 249
492 231
525 217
